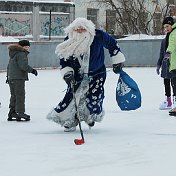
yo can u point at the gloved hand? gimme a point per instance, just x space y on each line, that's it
117 67
34 72
158 69
69 77
167 56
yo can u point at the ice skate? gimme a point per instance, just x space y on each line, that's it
172 112
12 116
167 104
22 117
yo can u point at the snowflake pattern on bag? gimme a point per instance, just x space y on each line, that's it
128 95
122 88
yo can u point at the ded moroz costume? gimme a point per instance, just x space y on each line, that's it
82 67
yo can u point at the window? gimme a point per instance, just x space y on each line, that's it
110 20
92 15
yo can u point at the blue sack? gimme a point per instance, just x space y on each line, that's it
128 95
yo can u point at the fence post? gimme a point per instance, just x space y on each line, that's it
36 23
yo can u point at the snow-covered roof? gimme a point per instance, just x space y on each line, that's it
41 1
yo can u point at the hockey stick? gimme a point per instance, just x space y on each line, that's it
77 141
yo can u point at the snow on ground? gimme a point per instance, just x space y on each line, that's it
129 37
142 37
132 143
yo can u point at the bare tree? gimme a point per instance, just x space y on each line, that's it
166 9
132 16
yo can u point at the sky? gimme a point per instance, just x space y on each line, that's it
125 143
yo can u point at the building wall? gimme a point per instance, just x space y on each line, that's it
33 18
16 24
82 5
59 22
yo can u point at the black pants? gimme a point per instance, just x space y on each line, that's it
167 86
174 85
17 91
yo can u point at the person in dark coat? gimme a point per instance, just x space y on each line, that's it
17 74
82 64
163 64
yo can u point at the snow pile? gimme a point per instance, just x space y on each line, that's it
130 37
8 39
142 37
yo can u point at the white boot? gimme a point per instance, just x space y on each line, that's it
70 129
174 102
167 104
70 125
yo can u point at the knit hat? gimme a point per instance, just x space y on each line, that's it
24 43
168 20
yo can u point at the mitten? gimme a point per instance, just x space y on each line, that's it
117 67
34 72
69 77
158 69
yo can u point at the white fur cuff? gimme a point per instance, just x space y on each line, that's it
119 58
65 70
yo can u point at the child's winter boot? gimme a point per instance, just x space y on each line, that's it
172 112
12 116
22 117
167 104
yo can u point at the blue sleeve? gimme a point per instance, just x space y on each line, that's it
63 63
71 62
108 42
162 52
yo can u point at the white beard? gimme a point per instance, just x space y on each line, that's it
76 45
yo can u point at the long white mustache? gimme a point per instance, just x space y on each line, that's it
76 45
